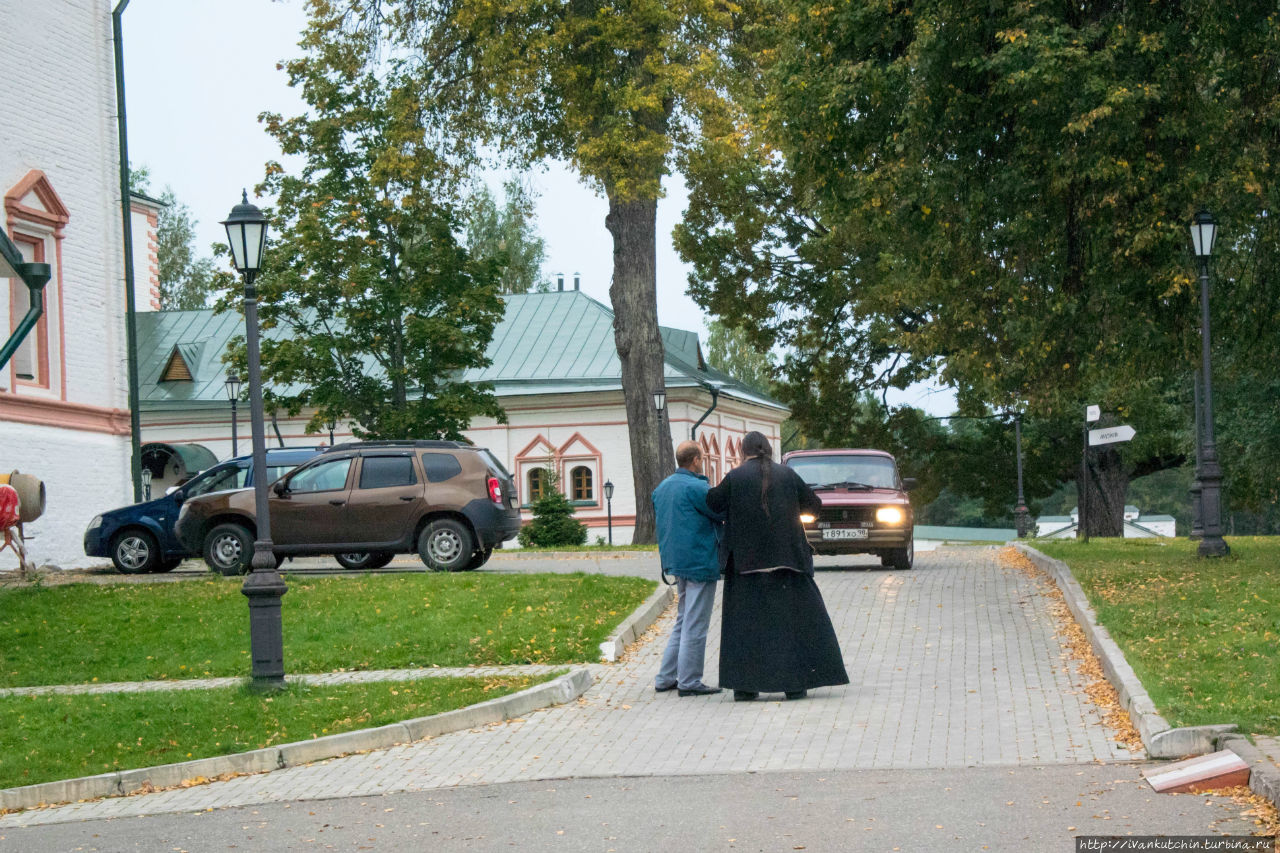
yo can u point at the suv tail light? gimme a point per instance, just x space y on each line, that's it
495 490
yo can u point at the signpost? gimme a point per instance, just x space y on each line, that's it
1093 438
1111 435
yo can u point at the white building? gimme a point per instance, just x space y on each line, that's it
63 396
1136 525
555 371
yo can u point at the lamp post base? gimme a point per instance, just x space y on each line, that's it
1213 546
264 588
1022 521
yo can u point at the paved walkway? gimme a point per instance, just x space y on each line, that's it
954 664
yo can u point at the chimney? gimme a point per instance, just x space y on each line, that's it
575 282
559 281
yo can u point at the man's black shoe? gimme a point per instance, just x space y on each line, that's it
797 694
744 695
657 689
704 690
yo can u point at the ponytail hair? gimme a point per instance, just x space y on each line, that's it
756 446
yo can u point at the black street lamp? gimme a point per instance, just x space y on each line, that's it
247 234
1021 515
332 424
659 399
608 499
1204 230
233 394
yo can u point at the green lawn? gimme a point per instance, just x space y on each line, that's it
43 738
1203 635
192 629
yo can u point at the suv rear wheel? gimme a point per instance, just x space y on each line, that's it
363 561
446 545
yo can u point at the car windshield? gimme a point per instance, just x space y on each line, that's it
877 472
217 479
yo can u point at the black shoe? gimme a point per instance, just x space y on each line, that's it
797 694
702 690
657 689
744 695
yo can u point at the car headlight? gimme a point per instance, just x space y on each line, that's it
96 523
807 518
889 515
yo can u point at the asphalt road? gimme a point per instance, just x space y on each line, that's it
998 809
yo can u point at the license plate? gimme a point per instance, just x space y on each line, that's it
845 533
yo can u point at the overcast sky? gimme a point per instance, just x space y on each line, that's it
198 73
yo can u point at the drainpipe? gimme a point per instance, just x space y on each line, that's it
130 317
35 276
715 397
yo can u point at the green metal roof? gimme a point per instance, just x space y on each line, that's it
558 342
964 534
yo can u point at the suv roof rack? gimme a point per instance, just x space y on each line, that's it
419 442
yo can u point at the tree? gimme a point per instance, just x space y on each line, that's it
731 351
508 235
186 280
553 521
610 88
370 308
994 195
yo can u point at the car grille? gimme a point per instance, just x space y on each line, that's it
848 514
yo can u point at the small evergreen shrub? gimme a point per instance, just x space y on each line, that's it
553 523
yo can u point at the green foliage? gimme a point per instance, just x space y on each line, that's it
1203 635
371 310
997 197
186 280
196 629
553 521
43 738
507 236
733 352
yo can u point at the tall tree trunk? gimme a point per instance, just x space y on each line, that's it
1107 485
633 292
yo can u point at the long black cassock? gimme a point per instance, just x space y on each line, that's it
775 634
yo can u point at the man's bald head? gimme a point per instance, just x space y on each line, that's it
688 454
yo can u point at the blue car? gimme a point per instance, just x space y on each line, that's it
139 538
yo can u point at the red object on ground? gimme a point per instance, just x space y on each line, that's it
9 506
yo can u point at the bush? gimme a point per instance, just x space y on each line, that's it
553 524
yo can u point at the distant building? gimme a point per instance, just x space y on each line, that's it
1136 525
555 370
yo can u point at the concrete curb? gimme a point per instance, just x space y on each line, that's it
1160 739
1264 777
637 623
558 691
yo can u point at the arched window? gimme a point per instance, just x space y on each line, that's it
537 484
581 479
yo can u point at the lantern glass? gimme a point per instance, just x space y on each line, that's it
1204 231
246 234
608 490
233 386
659 399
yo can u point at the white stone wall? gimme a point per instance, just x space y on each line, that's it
56 61
84 473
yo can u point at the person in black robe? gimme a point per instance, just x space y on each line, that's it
775 634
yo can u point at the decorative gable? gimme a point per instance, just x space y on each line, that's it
33 199
176 369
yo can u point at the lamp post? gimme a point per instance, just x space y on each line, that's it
233 394
146 483
659 400
608 500
1204 230
332 425
247 234
1021 514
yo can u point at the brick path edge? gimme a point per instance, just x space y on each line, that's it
558 691
637 623
1159 738
1264 777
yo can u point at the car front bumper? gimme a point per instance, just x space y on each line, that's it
877 539
96 543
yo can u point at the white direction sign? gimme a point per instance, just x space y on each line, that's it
1092 413
1111 435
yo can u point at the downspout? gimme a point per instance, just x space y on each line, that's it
715 397
130 316
35 276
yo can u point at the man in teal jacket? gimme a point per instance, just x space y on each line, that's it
688 534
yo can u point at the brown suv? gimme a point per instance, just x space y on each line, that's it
365 502
865 508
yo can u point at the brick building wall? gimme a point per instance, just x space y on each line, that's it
70 427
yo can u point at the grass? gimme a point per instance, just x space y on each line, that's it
1203 635
82 633
43 738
